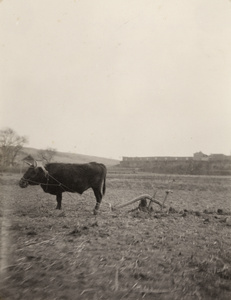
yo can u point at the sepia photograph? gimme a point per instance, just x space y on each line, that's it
115 150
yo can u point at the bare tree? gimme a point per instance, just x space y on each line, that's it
47 155
10 145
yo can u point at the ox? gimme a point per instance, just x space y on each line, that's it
56 178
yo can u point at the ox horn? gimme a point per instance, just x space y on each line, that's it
28 163
40 165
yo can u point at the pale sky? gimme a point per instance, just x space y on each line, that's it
117 78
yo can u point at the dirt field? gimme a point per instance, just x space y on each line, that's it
182 252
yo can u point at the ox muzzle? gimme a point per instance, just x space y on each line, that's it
23 183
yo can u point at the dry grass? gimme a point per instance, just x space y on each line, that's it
182 252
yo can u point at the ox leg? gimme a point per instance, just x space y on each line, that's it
59 201
98 196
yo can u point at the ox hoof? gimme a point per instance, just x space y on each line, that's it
95 212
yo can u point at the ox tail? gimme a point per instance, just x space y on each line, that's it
104 184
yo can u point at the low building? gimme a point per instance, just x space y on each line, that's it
199 163
200 156
219 157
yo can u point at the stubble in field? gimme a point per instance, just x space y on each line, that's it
182 252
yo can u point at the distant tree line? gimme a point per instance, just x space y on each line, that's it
11 144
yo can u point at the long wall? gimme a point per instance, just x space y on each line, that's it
179 166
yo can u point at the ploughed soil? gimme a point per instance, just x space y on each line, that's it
180 252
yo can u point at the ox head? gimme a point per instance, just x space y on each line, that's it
35 175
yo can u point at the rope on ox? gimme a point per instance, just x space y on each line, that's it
62 186
47 175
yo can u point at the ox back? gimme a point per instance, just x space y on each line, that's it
56 178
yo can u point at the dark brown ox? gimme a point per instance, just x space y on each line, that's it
56 178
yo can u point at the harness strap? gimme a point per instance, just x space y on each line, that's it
40 183
49 184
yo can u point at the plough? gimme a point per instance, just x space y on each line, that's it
143 199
